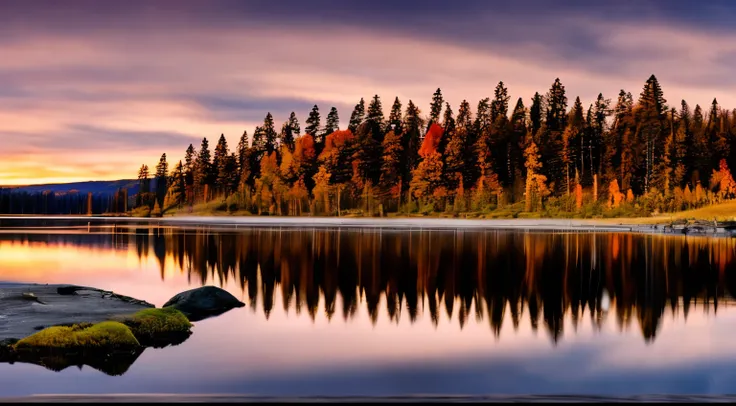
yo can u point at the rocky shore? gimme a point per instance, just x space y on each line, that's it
57 326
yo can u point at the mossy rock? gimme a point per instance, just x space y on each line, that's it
105 336
159 327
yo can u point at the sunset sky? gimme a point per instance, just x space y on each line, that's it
90 90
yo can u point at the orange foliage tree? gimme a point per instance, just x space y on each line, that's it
615 197
427 177
722 182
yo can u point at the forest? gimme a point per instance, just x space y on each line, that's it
631 157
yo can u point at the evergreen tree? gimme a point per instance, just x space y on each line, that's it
144 186
202 171
333 122
394 119
189 161
269 134
313 124
650 110
448 125
556 107
500 104
178 186
243 146
221 166
535 114
391 170
162 172
412 125
375 119
436 107
464 116
290 131
356 118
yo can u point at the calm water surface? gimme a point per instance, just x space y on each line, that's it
351 312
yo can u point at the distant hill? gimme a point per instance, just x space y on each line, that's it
106 187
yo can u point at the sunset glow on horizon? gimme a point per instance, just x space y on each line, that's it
92 90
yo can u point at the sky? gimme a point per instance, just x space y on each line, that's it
90 90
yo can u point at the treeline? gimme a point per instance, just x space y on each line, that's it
611 158
70 203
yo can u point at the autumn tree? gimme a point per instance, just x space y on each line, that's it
427 177
536 183
722 182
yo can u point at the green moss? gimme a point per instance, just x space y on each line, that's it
158 327
85 336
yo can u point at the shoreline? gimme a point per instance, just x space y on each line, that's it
226 223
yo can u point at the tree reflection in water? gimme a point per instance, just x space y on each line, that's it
471 274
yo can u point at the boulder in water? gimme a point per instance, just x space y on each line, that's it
200 303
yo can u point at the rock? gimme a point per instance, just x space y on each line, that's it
200 303
158 328
27 308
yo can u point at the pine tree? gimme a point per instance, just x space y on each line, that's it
500 104
356 118
436 107
464 116
412 125
314 123
178 186
269 134
189 165
556 107
375 120
394 118
290 131
162 172
243 146
535 114
448 125
650 110
390 182
144 186
219 164
333 122
202 170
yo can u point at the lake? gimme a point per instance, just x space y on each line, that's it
377 312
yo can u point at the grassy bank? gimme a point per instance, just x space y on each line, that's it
720 212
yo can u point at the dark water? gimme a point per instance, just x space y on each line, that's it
356 313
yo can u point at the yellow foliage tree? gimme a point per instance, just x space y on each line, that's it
536 183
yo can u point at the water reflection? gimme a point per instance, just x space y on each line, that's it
485 275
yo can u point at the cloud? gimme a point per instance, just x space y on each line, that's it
151 73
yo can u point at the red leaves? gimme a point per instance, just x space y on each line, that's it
431 140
